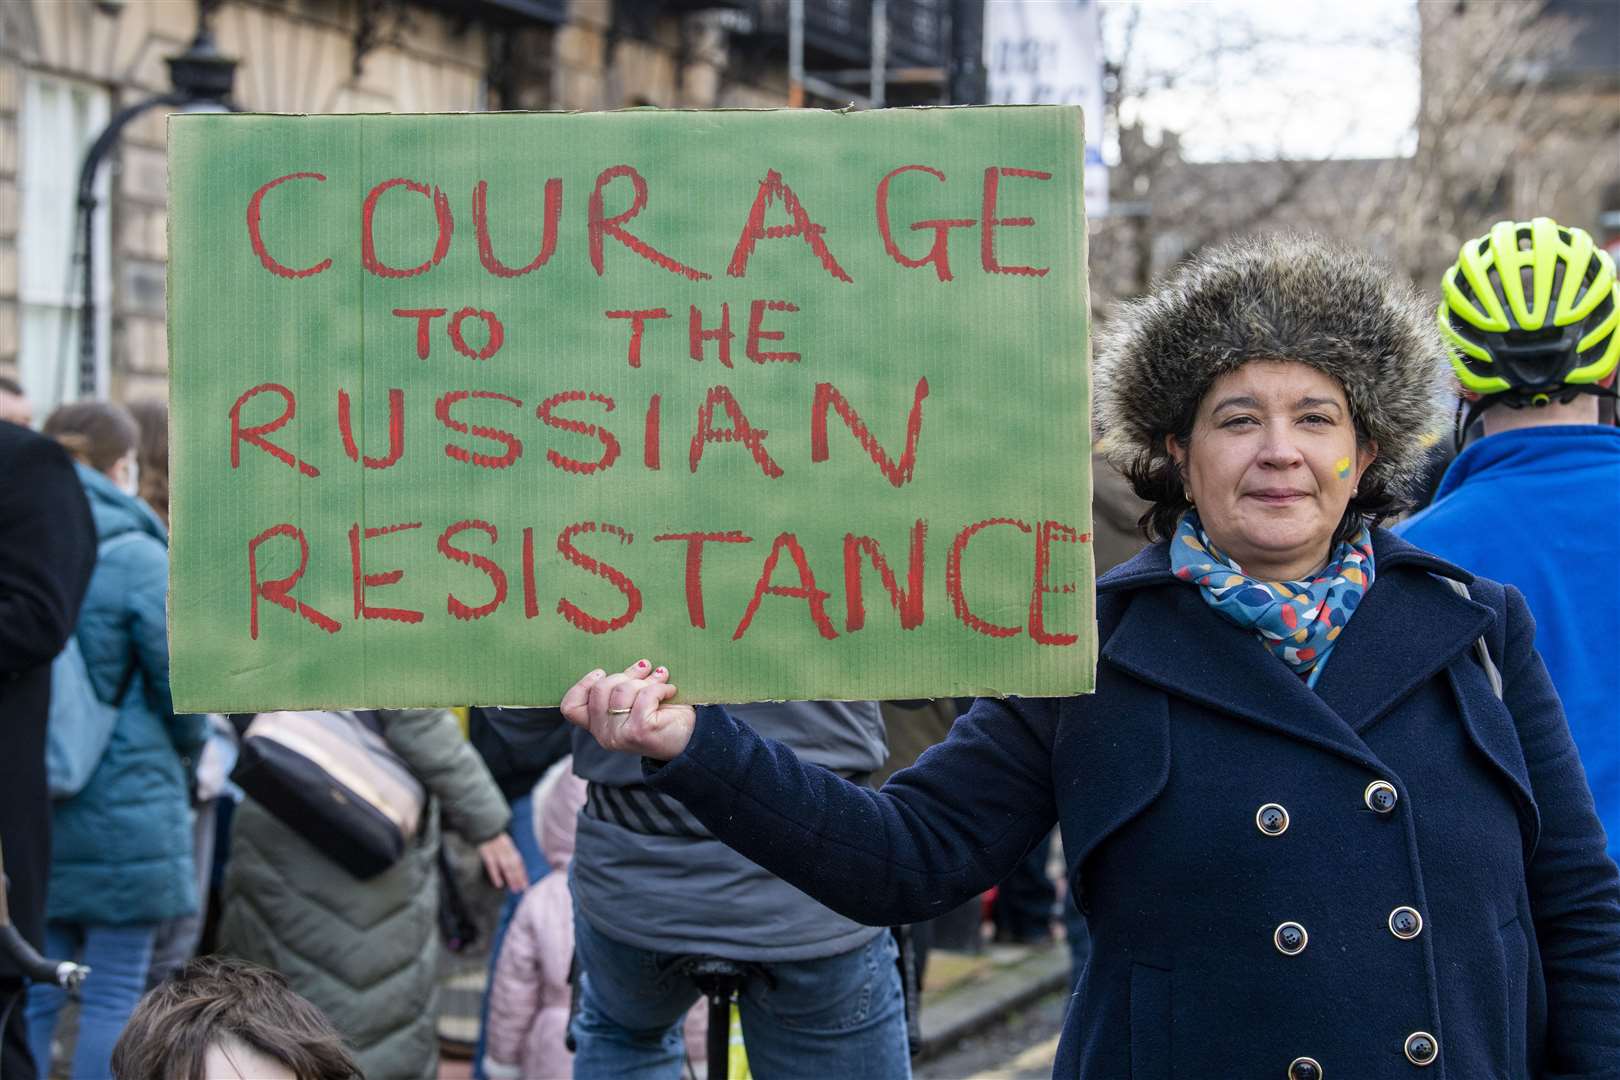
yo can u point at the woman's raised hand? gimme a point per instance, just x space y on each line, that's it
628 711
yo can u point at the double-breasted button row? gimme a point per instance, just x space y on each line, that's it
1380 797
1291 938
1406 923
1420 1048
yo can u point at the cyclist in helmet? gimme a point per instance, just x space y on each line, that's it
1532 312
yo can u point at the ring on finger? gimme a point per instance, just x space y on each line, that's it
619 712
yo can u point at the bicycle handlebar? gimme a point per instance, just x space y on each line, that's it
63 973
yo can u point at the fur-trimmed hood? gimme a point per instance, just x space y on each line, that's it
1284 296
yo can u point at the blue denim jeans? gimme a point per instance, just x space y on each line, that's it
521 830
118 957
840 1015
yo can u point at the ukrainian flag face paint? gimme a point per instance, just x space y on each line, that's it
1342 467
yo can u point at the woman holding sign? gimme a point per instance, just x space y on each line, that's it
1323 813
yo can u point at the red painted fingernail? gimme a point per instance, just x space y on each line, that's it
660 670
641 663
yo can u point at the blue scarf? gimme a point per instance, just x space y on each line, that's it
1298 621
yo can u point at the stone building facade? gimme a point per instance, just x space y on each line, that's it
67 66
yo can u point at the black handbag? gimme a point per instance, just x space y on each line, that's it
331 778
457 927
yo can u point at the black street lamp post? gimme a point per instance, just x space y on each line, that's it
202 78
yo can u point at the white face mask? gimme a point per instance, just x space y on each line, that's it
132 476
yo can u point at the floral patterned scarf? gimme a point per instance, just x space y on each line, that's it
1297 620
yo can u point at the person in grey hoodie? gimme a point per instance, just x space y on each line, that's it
652 885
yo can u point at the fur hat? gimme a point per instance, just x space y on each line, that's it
1278 297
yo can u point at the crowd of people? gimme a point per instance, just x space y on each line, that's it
1346 800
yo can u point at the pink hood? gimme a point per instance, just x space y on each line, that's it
557 802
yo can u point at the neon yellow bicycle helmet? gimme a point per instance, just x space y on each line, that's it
1532 312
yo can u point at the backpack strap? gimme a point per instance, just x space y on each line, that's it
1481 650
102 549
117 541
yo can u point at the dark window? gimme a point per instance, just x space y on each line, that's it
554 12
838 33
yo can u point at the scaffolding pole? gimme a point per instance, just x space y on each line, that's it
795 54
880 52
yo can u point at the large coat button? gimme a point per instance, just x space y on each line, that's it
1421 1048
1271 819
1405 923
1304 1068
1290 938
1380 797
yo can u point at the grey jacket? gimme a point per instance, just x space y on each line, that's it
647 873
365 952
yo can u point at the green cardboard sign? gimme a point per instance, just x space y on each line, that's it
466 405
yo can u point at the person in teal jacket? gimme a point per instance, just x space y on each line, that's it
121 850
1532 312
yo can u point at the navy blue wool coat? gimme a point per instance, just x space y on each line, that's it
1167 785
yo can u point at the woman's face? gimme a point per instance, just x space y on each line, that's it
1271 465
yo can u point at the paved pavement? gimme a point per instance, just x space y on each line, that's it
968 993
1021 1046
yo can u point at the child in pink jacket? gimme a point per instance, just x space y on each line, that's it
528 1001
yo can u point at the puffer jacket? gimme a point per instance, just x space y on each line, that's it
365 952
121 851
528 1002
